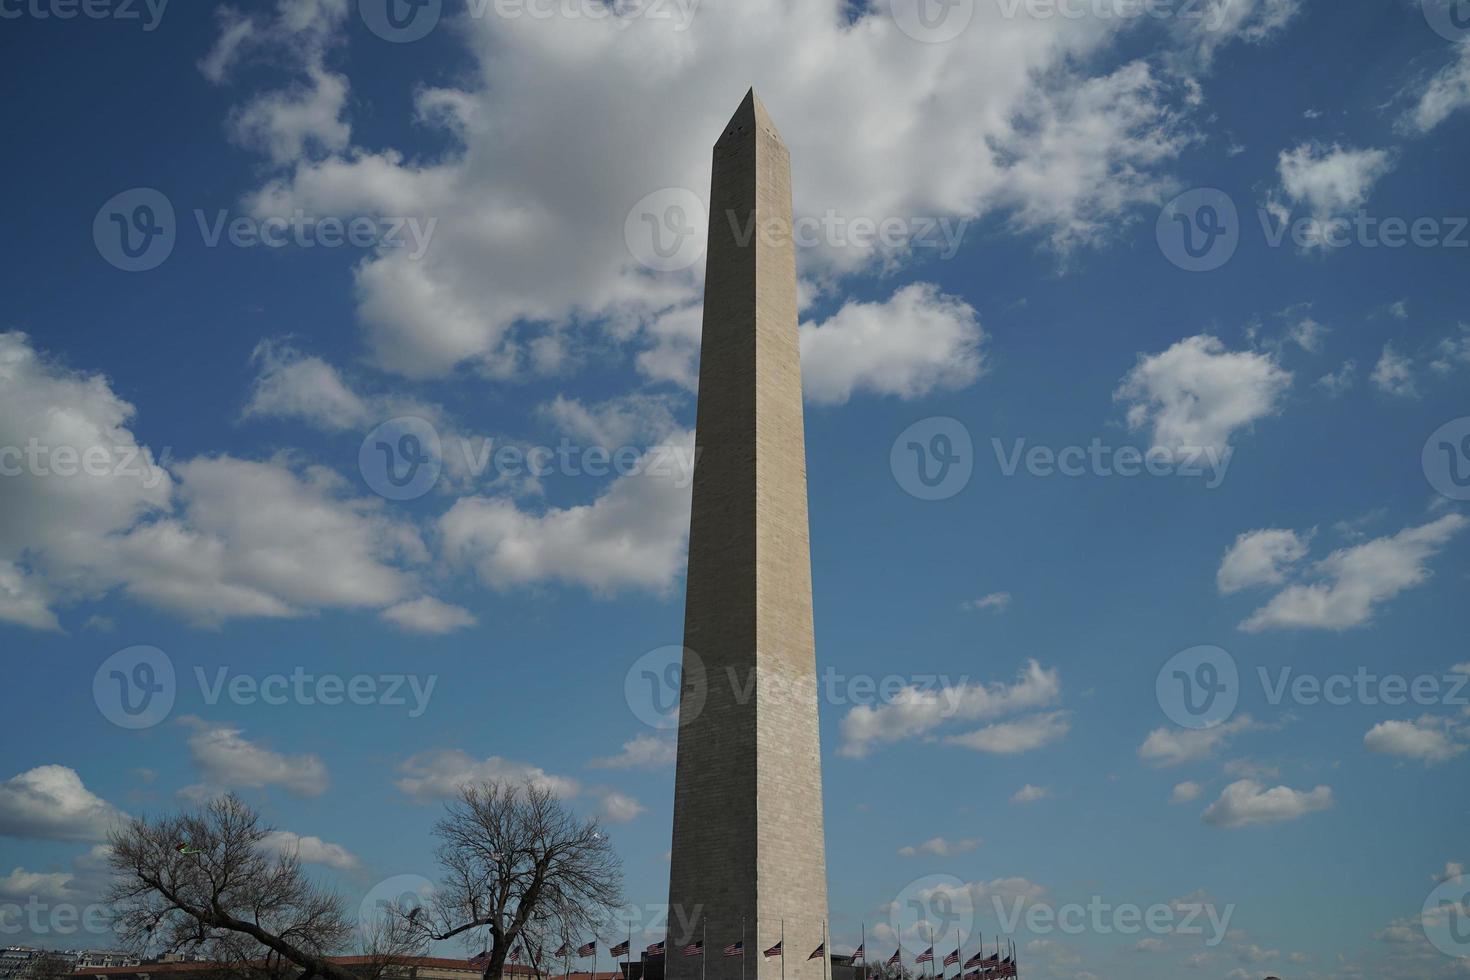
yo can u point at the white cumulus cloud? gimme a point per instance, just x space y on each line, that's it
440 773
917 341
642 752
1259 558
1445 93
1328 182
1246 802
312 850
1427 739
51 803
1198 395
429 616
529 257
633 536
941 847
1170 746
1344 589
228 760
1015 737
916 711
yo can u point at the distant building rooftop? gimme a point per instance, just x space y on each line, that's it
420 967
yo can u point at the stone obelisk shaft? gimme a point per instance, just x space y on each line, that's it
748 844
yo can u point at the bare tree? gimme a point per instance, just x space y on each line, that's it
50 966
520 871
204 882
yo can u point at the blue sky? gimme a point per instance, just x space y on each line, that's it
500 166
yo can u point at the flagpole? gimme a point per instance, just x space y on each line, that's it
742 947
864 948
931 947
783 949
703 951
826 953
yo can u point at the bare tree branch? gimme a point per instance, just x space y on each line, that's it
203 882
519 869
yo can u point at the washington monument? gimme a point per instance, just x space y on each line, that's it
748 862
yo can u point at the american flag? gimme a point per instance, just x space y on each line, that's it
857 954
775 950
561 950
975 960
818 952
695 948
480 959
657 949
952 958
621 949
735 949
896 958
927 956
589 950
